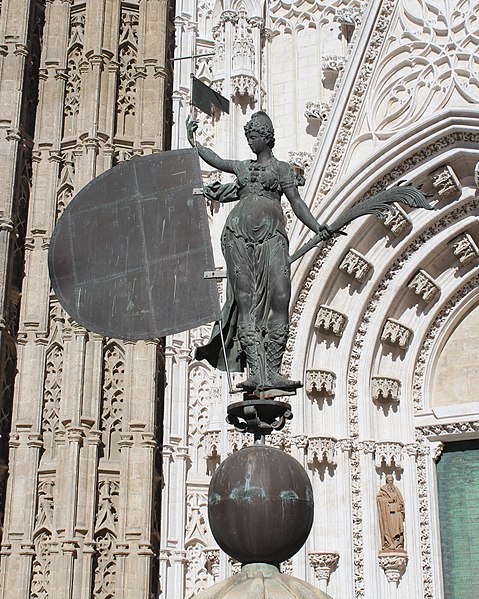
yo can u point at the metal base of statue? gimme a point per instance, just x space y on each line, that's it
258 416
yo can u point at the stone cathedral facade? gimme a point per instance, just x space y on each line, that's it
107 447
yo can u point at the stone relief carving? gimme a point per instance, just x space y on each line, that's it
396 333
65 182
51 398
320 382
301 160
386 388
393 566
196 572
441 52
128 72
199 397
112 399
104 574
321 449
330 321
355 265
323 563
424 286
42 565
446 183
390 504
388 453
317 111
465 249
397 221
333 63
73 73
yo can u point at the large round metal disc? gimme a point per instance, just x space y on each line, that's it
127 258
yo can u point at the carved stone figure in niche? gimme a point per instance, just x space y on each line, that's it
391 516
255 317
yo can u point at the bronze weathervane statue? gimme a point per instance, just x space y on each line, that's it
255 246
255 317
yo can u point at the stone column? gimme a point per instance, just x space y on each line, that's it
394 565
323 562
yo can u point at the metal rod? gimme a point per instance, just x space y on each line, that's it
192 56
228 374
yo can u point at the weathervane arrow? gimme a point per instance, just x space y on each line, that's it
374 205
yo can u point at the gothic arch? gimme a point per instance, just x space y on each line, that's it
389 292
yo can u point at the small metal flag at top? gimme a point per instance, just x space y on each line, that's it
204 97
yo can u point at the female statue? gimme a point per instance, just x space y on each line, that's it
255 318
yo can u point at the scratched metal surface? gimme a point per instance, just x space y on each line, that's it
127 257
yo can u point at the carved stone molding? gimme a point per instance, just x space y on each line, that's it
212 557
387 452
333 63
397 221
396 333
385 388
451 428
320 382
317 111
393 564
323 563
445 182
302 160
355 265
244 85
349 15
321 449
464 248
330 321
424 286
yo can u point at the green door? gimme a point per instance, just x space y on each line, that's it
458 490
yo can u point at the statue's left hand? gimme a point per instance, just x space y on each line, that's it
191 127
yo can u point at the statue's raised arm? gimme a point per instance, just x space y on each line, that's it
228 166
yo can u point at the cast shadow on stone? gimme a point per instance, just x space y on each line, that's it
386 405
320 398
322 468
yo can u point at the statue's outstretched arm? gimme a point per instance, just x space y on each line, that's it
302 211
208 155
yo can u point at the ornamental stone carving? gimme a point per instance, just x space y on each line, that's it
355 265
321 449
317 111
445 182
323 563
349 15
464 249
386 388
388 453
396 333
330 321
424 286
394 565
397 221
244 85
320 382
302 160
333 63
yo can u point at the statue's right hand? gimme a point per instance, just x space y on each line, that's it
191 127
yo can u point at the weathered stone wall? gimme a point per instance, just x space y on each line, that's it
83 472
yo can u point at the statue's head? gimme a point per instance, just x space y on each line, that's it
389 479
261 123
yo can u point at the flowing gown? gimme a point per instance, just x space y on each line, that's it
255 247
